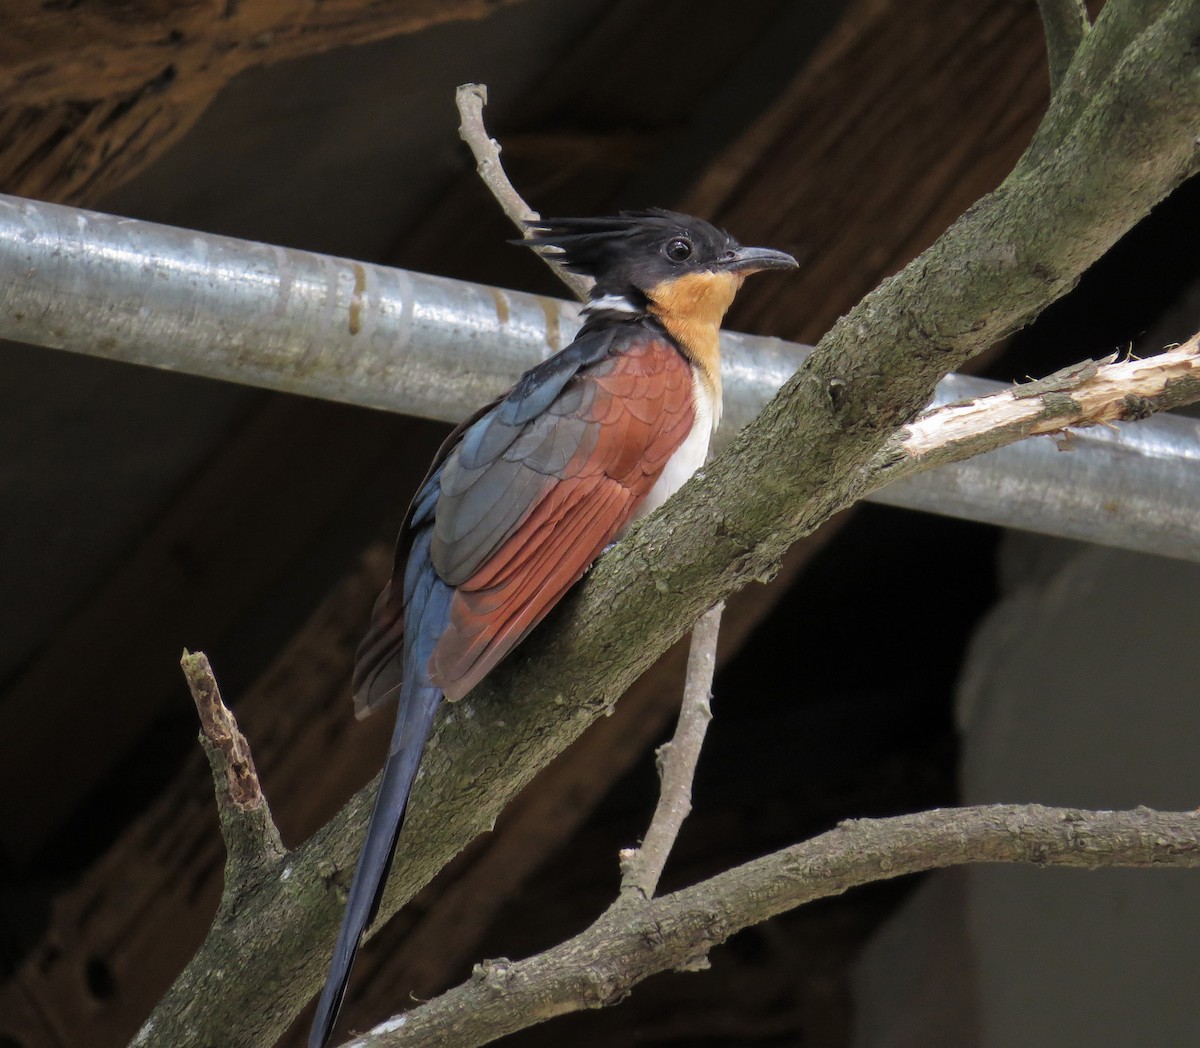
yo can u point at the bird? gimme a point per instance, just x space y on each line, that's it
526 493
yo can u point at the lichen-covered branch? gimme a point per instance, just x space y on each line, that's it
627 944
621 941
1066 22
807 455
1109 40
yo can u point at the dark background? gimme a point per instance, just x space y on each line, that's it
142 512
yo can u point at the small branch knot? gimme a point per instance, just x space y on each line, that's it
1137 408
599 989
493 974
836 389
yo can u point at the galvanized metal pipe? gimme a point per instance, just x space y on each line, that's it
385 338
295 321
1135 486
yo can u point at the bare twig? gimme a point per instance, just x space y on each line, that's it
251 837
1090 393
629 943
1065 22
471 98
642 867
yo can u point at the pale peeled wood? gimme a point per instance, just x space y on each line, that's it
1084 395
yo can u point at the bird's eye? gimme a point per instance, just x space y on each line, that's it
679 249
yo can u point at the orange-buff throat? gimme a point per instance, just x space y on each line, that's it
691 308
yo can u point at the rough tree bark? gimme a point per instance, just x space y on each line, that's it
634 941
638 936
1120 135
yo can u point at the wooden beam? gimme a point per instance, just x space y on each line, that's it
90 97
907 115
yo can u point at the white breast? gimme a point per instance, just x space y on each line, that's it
690 455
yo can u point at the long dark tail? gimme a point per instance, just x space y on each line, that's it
413 723
392 658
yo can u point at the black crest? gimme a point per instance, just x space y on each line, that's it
634 250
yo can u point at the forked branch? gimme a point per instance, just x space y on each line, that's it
1124 142
629 943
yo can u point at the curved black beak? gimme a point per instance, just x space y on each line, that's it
755 259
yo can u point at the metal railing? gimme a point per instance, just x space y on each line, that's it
421 345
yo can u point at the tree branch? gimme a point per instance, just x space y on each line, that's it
1108 41
1087 394
1065 22
642 867
806 456
601 965
470 99
252 840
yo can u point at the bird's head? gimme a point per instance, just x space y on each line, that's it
660 260
682 271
